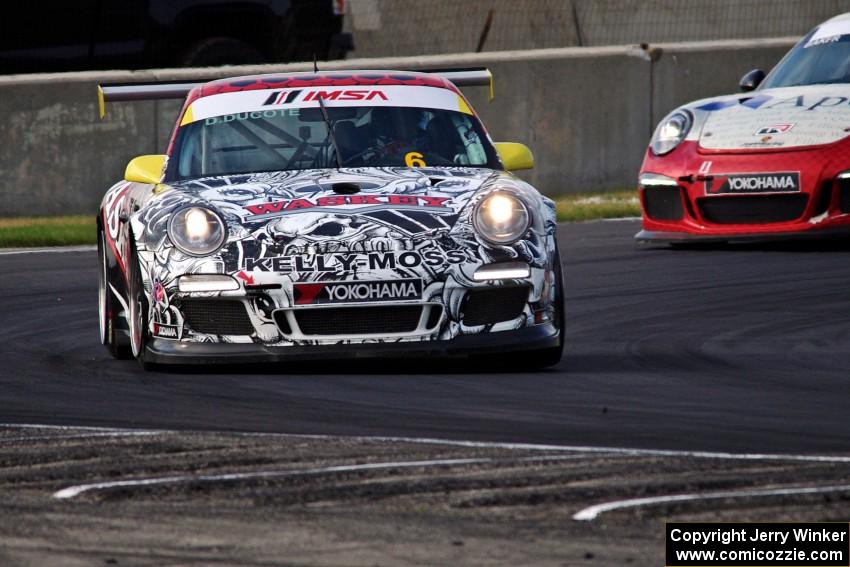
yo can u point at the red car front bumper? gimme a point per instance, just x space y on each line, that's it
692 194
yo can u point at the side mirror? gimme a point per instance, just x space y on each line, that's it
515 156
145 169
751 80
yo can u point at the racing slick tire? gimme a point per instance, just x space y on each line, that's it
545 358
534 359
137 317
112 334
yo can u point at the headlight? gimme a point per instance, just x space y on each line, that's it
196 231
501 218
671 132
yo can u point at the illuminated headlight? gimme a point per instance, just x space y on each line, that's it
671 132
502 271
501 218
206 282
647 180
196 231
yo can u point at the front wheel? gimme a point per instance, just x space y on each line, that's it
538 359
112 334
544 358
137 313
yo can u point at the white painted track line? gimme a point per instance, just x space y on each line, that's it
48 250
578 451
621 451
592 512
90 435
72 491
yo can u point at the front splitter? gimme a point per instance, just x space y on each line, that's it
164 351
666 237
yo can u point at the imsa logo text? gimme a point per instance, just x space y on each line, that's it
290 96
783 182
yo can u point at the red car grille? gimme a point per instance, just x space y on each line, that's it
753 209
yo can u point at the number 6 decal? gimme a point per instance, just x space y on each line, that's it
414 159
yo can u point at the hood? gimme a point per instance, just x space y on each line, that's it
322 205
783 118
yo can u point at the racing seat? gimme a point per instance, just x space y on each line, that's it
348 139
437 140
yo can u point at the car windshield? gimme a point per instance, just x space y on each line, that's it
293 138
822 57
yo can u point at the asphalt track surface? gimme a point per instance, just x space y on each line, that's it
742 348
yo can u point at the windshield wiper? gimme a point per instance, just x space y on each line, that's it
331 134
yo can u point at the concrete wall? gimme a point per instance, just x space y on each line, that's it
560 102
384 28
612 22
683 72
587 113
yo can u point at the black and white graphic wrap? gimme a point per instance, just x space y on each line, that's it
313 226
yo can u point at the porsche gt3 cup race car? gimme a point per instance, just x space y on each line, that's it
773 161
327 215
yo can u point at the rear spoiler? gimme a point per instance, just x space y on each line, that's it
124 92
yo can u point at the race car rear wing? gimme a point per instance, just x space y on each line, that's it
123 92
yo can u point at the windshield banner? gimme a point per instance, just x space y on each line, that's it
254 103
829 32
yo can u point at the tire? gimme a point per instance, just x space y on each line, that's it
523 361
545 358
216 51
112 335
137 317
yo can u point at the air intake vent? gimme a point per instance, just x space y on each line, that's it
663 203
753 209
216 316
844 195
824 199
354 321
494 304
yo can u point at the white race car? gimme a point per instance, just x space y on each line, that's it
328 215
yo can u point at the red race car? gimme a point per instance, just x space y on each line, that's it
773 161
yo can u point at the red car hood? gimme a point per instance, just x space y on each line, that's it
785 118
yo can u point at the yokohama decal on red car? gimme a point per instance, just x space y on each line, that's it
781 182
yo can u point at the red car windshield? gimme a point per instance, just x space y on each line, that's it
822 57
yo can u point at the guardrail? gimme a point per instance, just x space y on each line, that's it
587 113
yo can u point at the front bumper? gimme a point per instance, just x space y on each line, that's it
161 351
687 195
